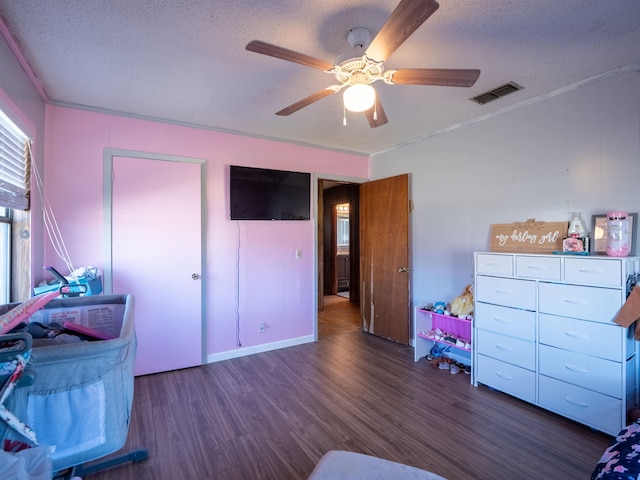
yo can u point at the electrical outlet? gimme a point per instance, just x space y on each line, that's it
263 326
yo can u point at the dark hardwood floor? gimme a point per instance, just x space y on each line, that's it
273 415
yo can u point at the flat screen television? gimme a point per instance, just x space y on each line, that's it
263 194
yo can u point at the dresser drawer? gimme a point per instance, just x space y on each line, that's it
543 268
596 339
509 321
509 292
596 374
507 378
594 409
593 271
588 303
508 349
494 264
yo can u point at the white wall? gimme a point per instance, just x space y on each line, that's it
577 151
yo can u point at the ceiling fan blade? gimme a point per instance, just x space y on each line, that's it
319 95
404 20
435 76
278 52
378 112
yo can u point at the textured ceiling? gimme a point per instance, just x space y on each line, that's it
185 61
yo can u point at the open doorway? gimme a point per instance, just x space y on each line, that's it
338 258
379 280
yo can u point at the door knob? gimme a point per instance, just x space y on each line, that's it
403 269
195 276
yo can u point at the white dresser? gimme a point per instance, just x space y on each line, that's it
544 332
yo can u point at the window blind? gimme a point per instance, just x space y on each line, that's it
15 166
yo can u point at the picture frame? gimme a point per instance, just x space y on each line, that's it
599 233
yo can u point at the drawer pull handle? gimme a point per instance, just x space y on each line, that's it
575 302
492 264
503 347
504 292
577 404
577 335
536 267
575 369
503 375
590 270
502 320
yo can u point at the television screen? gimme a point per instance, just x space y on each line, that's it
262 194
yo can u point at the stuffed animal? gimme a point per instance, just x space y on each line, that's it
463 305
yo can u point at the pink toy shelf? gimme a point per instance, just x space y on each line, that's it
448 330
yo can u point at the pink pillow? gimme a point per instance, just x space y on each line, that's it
17 315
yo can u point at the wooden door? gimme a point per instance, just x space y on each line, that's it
384 258
157 256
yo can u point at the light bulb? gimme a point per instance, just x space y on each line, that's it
359 97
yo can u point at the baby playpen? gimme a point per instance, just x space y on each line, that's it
77 395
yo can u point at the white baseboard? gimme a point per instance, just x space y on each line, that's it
267 347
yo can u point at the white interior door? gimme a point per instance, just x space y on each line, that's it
157 255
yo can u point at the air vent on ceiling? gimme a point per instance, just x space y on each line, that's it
496 93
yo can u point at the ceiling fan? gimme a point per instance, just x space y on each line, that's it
363 65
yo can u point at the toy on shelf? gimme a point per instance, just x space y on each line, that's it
462 306
451 324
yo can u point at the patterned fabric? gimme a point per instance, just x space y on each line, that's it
11 420
621 461
13 369
7 368
14 317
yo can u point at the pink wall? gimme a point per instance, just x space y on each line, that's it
275 288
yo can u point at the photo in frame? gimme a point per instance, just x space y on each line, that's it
599 233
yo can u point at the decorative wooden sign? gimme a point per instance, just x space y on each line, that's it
529 237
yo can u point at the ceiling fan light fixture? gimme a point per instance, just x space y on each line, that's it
359 97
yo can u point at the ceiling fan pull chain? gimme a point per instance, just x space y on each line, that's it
375 111
344 116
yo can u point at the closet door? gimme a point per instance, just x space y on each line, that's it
157 256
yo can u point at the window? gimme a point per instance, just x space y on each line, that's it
342 227
15 166
15 177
